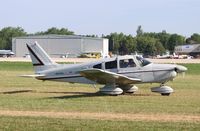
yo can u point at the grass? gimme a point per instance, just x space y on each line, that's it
46 124
18 93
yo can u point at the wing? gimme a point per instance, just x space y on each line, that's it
106 77
32 76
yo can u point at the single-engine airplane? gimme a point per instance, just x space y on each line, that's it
118 74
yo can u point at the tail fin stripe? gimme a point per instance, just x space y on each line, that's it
32 52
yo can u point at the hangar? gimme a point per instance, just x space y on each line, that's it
62 45
192 49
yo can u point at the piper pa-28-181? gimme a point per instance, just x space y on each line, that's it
118 74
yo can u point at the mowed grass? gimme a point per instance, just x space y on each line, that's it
55 124
17 93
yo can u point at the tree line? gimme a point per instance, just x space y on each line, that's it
7 33
148 43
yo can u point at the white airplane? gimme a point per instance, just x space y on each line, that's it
6 53
118 74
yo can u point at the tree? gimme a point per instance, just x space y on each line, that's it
195 38
139 30
163 37
122 44
54 30
159 48
123 50
175 40
6 35
131 43
146 45
115 40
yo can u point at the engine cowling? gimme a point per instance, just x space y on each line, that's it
111 90
163 90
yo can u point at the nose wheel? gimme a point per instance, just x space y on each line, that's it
163 90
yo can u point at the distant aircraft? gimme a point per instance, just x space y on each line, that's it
164 56
6 53
118 74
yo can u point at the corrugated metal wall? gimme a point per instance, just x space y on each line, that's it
57 46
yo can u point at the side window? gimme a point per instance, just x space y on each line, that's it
127 63
98 66
111 64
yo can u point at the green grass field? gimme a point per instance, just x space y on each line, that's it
23 94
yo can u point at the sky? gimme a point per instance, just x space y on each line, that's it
102 16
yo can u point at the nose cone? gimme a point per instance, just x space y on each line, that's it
180 68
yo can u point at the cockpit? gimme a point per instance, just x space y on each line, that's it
122 62
142 61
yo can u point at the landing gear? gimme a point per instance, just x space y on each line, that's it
129 89
117 90
163 90
165 94
111 90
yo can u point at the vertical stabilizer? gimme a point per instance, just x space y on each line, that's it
40 59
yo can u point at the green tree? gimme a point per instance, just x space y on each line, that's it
121 44
54 30
123 50
139 31
146 45
195 38
131 43
163 37
6 35
159 48
175 40
115 40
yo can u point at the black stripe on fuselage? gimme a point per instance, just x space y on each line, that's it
40 62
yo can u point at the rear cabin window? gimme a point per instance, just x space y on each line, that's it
126 63
111 64
98 66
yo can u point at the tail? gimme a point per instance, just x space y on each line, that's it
40 59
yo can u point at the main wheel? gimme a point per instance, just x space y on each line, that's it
165 94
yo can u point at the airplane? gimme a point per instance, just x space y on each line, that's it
118 74
6 53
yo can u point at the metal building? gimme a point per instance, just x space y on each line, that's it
61 45
192 49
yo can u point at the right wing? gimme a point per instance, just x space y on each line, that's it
107 77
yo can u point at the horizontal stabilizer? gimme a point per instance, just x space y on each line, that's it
32 76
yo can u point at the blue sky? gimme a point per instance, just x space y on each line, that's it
103 16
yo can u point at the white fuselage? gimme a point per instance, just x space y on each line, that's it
149 73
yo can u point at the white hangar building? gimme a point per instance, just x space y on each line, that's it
59 45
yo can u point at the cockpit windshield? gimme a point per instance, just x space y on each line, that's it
142 61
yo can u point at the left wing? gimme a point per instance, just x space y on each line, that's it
33 76
107 77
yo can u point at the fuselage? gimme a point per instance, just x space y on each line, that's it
130 66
